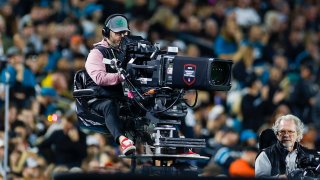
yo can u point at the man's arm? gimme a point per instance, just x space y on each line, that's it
262 166
97 71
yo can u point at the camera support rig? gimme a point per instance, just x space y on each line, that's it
156 82
166 146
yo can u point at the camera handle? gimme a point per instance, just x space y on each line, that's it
116 64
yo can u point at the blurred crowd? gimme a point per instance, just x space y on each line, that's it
274 45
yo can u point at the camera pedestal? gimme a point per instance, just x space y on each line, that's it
166 164
168 152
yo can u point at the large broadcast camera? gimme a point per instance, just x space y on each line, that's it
148 66
155 84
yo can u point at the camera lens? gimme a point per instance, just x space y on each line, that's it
220 73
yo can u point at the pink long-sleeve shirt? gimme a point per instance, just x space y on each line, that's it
97 70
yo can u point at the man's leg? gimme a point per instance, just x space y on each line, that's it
109 109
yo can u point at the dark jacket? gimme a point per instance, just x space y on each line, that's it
277 156
106 91
65 151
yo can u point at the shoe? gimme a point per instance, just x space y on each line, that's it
190 153
127 147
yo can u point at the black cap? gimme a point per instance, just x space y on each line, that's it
31 55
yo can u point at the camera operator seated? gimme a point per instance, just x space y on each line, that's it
106 81
280 159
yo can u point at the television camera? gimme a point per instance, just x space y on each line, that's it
156 81
148 66
308 166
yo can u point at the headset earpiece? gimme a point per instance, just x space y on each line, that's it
106 32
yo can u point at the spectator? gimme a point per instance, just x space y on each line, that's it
311 53
258 39
211 170
224 152
245 14
217 118
248 138
242 69
228 41
68 144
36 62
46 101
5 41
280 159
244 166
21 79
252 104
26 39
303 95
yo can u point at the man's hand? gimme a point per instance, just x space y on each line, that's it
282 176
20 69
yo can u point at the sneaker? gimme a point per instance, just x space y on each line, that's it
190 153
127 147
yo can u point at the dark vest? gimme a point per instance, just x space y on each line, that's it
106 91
277 156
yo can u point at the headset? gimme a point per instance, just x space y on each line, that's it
106 29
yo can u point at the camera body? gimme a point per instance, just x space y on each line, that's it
157 82
148 66
308 166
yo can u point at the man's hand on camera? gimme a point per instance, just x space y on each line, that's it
282 176
123 74
121 77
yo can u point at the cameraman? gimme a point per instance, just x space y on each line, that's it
281 158
106 81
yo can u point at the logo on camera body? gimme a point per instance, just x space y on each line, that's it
189 74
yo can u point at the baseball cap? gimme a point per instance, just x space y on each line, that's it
92 141
247 134
118 24
13 51
28 23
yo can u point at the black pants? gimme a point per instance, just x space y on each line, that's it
109 108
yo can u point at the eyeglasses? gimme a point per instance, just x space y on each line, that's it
282 133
